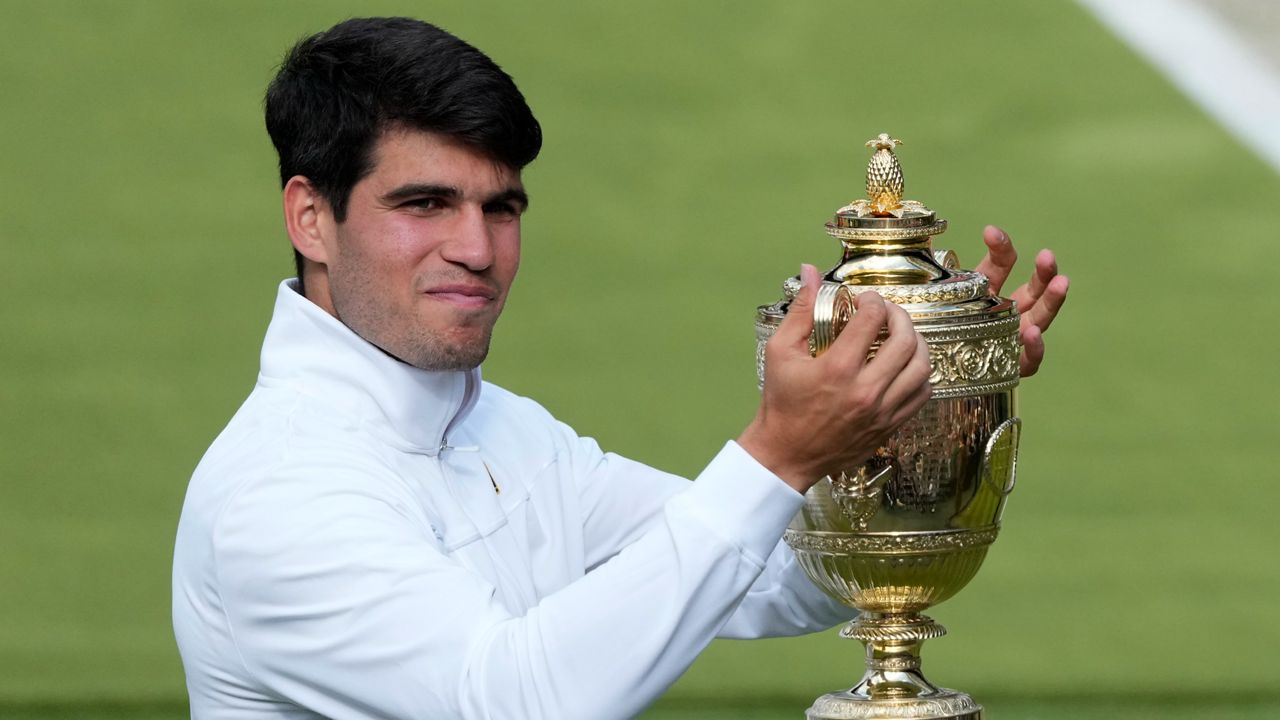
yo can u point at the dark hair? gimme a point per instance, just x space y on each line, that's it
338 90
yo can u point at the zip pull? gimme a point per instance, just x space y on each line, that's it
444 445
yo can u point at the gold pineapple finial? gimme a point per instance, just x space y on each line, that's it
884 183
884 176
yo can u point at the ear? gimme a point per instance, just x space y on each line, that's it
309 220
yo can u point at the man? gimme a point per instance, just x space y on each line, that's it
379 534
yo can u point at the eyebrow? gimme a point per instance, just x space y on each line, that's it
511 194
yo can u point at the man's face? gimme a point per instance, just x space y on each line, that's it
430 245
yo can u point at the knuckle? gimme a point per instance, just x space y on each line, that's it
880 311
925 386
844 369
921 366
906 345
863 400
870 303
897 349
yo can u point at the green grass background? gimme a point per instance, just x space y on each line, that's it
693 151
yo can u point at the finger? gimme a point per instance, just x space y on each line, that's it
855 340
1032 351
794 330
1045 271
1046 308
912 405
1000 259
896 350
916 373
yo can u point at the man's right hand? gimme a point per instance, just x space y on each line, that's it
819 416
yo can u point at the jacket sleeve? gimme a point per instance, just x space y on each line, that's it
622 498
341 604
783 602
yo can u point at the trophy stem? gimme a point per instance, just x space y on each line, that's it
893 686
893 654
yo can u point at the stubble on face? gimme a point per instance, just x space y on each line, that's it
462 345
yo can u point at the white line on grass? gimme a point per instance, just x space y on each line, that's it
1201 54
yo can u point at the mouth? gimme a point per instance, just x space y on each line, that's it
463 295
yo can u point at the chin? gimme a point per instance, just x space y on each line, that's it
441 357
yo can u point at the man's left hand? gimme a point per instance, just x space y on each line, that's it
1039 299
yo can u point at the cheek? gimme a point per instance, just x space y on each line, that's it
378 253
507 252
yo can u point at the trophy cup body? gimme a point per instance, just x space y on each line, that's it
910 527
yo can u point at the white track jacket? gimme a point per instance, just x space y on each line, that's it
370 540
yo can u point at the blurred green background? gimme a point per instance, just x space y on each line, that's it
693 151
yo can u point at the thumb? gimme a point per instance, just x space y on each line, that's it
795 328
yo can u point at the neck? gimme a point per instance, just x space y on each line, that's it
315 287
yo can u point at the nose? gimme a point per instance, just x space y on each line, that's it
470 243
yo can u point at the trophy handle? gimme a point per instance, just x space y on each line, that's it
996 477
947 259
832 310
1000 461
1000 457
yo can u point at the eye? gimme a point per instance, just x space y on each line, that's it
425 203
503 209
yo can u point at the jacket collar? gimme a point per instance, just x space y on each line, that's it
315 354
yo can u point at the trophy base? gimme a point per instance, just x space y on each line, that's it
943 705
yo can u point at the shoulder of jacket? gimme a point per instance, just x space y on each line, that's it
497 401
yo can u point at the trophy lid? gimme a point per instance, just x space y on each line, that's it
887 244
883 216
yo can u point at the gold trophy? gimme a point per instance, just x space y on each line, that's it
909 528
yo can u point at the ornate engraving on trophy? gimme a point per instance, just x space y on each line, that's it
967 362
857 493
